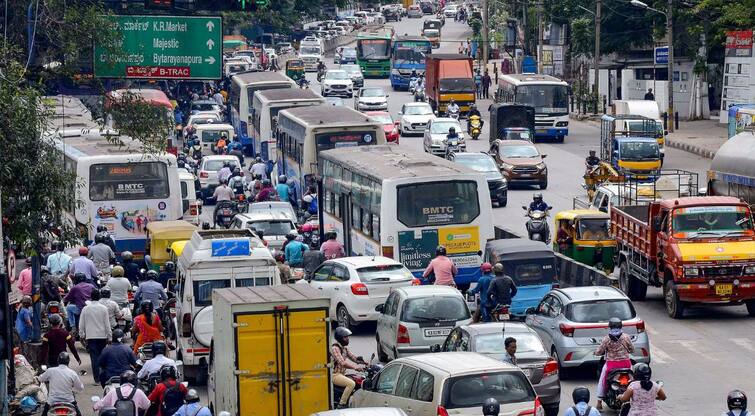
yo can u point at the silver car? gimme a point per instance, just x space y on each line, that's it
355 73
436 133
414 318
532 358
573 321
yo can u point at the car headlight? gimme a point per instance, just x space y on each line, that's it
749 269
506 166
540 166
395 72
691 272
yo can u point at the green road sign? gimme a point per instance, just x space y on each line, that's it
185 47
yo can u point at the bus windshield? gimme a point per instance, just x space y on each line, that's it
437 203
546 99
411 52
128 181
639 151
309 50
373 48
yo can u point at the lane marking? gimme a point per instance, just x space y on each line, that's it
693 346
745 343
659 356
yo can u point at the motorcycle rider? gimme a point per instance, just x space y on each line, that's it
222 193
413 80
452 108
581 397
259 168
267 192
126 391
225 172
282 188
344 359
192 406
166 394
502 289
59 261
537 203
63 383
643 392
83 264
474 111
102 229
118 286
101 254
196 151
114 311
116 358
592 161
150 290
321 68
736 400
153 365
55 341
131 268
76 298
168 274
617 347
441 270
483 285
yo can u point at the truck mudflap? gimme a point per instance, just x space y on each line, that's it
719 292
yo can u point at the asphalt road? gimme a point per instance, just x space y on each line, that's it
699 358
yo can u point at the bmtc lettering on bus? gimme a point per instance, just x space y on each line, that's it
438 210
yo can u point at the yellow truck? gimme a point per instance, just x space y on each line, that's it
270 351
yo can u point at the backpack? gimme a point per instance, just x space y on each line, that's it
125 406
313 208
173 399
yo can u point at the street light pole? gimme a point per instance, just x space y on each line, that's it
598 7
540 37
485 33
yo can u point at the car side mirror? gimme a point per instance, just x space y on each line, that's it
657 224
524 207
435 348
367 384
530 311
543 156
379 308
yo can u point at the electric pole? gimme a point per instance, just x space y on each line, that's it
598 7
670 33
485 32
540 37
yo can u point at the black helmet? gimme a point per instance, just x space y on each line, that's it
642 372
615 323
129 377
118 335
341 334
192 396
159 347
105 292
167 371
151 275
266 183
537 197
55 319
282 179
170 266
258 159
127 256
440 251
451 130
95 294
43 270
102 228
99 238
146 306
64 358
498 268
737 400
581 394
490 407
79 277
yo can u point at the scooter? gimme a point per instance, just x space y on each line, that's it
303 83
537 225
500 313
453 114
453 145
419 95
359 378
475 127
320 74
412 84
617 382
224 213
52 307
62 409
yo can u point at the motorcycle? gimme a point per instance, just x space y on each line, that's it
453 145
62 409
617 382
52 307
419 95
359 378
475 127
320 74
537 225
224 213
412 84
454 114
124 322
303 83
500 313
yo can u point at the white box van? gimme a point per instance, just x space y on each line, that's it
214 259
192 206
208 134
645 108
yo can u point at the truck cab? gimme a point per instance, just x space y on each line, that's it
629 145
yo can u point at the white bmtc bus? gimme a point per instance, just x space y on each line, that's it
548 95
265 108
385 200
119 187
243 87
304 132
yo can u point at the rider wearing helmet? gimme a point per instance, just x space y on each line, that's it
452 108
441 269
166 393
483 285
643 392
474 111
618 348
101 254
581 397
282 188
119 286
168 274
64 383
84 265
193 406
452 133
267 192
537 203
130 267
259 168
150 290
115 358
225 172
491 407
153 365
502 288
344 359
736 400
237 182
127 389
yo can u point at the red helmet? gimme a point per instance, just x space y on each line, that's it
486 267
83 251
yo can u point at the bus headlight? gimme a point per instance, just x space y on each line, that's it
562 123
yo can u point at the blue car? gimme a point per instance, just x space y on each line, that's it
531 264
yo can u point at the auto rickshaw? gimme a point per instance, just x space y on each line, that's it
160 236
587 238
295 69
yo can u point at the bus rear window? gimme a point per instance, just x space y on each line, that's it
128 181
438 203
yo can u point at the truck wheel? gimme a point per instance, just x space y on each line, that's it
750 307
674 306
624 279
633 287
343 317
382 356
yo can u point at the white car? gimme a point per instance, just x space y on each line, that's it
337 82
450 10
282 207
206 107
272 225
371 99
414 118
357 285
208 172
437 130
202 118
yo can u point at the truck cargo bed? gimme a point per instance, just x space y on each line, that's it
631 228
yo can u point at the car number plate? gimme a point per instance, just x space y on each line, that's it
437 332
525 175
725 289
542 130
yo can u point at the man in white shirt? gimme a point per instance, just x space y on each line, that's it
94 326
159 359
223 192
63 383
113 310
128 381
259 168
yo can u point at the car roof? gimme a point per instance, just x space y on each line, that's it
263 216
586 293
458 363
445 119
497 327
428 290
412 104
515 143
364 261
363 411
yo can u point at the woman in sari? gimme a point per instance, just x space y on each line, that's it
147 326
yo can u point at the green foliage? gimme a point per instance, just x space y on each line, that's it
148 124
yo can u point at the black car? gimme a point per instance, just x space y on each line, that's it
392 13
483 162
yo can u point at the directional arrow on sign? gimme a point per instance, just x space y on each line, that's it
210 60
210 26
210 44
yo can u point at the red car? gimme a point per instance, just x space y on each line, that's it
389 126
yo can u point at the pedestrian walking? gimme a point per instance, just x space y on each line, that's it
94 326
478 83
486 81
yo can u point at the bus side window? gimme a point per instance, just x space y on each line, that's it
366 222
329 202
356 218
376 227
337 205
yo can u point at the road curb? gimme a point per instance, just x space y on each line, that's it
690 148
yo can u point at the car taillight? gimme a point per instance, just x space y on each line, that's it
416 282
640 327
359 289
403 335
388 251
442 411
551 368
186 325
203 174
567 330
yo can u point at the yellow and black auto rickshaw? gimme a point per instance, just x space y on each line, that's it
583 235
160 236
295 69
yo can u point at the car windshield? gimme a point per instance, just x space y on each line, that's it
415 54
384 273
472 390
517 151
204 107
418 110
479 163
593 229
712 220
441 127
336 75
372 92
435 308
352 69
309 50
450 85
600 310
639 150
493 343
351 53
382 118
271 227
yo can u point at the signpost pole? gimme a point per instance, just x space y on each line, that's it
670 34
